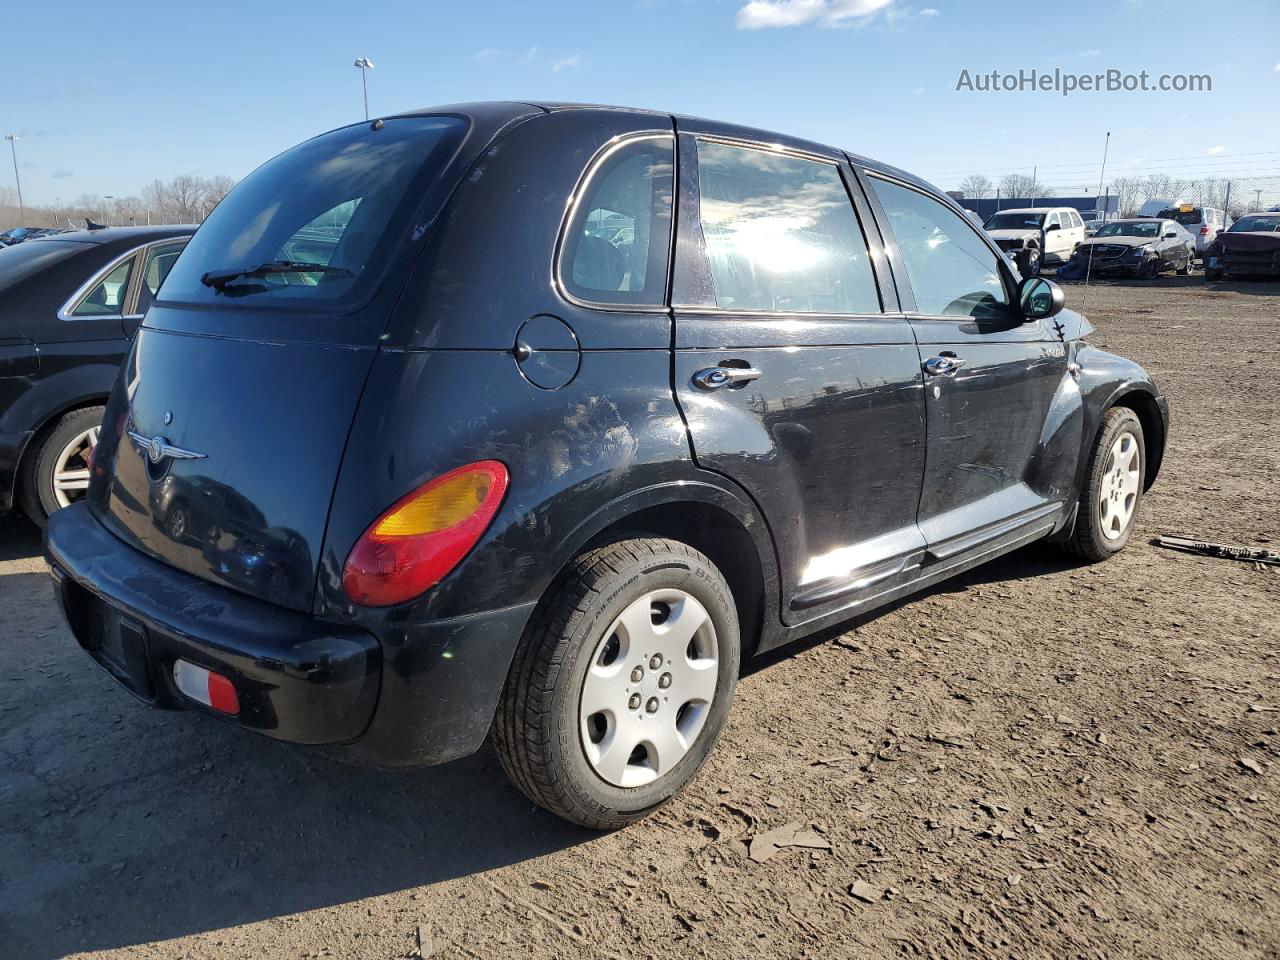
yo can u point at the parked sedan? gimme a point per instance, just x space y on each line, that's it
69 304
553 484
1250 247
1138 247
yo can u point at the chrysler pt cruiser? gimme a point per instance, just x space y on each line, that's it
531 422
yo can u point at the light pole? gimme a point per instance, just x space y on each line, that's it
105 198
13 148
364 64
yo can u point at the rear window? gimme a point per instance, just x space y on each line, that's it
316 225
26 259
1184 217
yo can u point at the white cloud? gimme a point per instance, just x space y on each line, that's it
920 91
763 14
929 12
1276 69
1092 52
488 54
567 62
529 55
1214 151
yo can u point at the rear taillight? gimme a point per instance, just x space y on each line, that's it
414 545
1204 231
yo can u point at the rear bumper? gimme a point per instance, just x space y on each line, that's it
388 694
298 679
11 447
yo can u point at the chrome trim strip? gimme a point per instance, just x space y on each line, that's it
571 211
766 147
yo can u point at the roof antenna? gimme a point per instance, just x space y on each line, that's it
1088 267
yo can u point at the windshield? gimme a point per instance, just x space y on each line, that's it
1015 221
1185 217
316 224
1145 228
1257 225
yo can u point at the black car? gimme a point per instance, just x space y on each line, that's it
69 304
1250 247
567 410
1137 247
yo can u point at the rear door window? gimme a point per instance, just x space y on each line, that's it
616 246
951 270
106 299
781 233
318 224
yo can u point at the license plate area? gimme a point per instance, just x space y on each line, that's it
119 643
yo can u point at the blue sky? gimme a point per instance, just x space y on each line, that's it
107 96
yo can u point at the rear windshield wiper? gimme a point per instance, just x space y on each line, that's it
218 279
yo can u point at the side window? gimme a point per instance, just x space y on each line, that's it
952 271
1051 220
615 248
107 298
781 233
159 262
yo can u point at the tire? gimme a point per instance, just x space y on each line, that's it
1031 262
1095 536
1150 270
39 498
1211 273
578 765
1185 269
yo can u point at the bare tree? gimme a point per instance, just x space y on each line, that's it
975 186
1020 185
215 189
1127 191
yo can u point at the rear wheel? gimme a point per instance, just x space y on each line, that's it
56 474
1185 269
622 682
1213 273
1108 505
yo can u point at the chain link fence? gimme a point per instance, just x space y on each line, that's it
1126 196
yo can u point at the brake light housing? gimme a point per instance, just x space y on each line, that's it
421 537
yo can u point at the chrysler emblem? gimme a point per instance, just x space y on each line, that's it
156 449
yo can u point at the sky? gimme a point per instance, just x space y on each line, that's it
107 96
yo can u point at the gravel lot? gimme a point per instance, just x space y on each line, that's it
1035 760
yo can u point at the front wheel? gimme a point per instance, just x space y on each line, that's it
1108 505
621 684
1031 263
1213 273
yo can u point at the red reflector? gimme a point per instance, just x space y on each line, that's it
222 695
423 536
204 686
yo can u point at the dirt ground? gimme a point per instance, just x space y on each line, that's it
1038 759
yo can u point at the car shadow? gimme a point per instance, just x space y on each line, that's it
19 538
123 825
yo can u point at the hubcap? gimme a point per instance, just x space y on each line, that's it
636 730
71 468
1118 492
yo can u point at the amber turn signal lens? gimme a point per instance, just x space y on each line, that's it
423 536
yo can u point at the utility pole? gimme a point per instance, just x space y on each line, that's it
13 148
364 65
1106 145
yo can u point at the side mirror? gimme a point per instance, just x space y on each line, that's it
1040 298
1171 235
1051 227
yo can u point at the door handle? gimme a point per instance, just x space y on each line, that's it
943 366
713 378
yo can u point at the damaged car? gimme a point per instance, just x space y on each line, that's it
1251 247
1137 247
